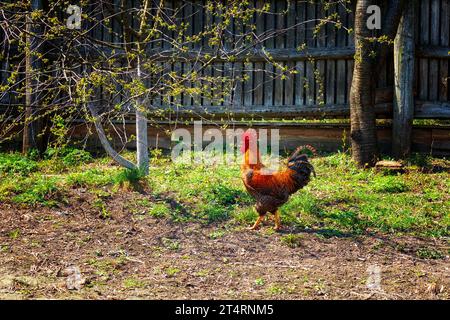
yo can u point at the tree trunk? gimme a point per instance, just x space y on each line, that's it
404 78
105 143
32 67
362 94
27 130
141 117
141 131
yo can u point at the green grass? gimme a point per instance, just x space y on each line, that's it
429 253
292 240
14 163
342 200
133 283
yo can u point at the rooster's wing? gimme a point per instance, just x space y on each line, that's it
269 193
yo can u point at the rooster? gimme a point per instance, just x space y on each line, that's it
271 189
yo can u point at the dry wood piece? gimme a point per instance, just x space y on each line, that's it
390 165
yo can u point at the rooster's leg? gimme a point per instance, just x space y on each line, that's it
257 223
277 220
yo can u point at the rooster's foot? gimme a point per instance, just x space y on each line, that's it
257 223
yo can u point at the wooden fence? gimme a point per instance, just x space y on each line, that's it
320 87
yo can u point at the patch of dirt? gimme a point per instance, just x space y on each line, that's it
131 255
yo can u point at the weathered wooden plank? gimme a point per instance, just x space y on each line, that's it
424 37
331 82
186 70
252 54
289 84
325 137
423 110
178 70
423 76
168 34
383 75
403 111
331 29
217 84
106 32
320 82
206 96
260 22
300 32
433 90
445 24
425 22
228 71
237 93
272 110
441 140
116 27
279 88
197 11
321 35
430 110
207 26
311 40
310 83
342 35
433 52
188 20
341 94
270 26
248 84
290 25
268 84
258 94
280 25
444 81
151 81
435 22
300 83
434 41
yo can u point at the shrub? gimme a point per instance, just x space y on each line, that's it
389 184
69 156
129 175
90 177
16 163
39 192
76 156
159 210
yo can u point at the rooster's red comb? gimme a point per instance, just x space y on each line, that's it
250 133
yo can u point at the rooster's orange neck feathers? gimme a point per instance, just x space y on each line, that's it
252 158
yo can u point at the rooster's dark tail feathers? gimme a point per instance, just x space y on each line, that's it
299 161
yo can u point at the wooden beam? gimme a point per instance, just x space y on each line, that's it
432 110
433 52
403 107
287 111
257 55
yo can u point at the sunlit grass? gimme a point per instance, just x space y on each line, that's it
342 199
